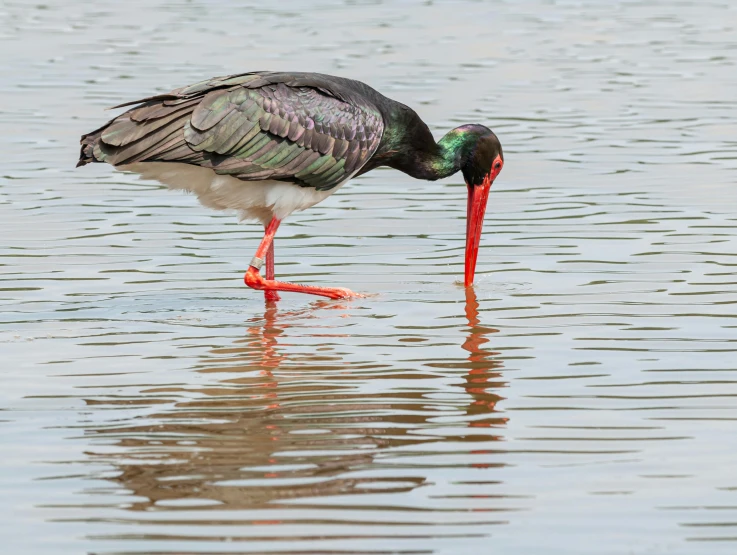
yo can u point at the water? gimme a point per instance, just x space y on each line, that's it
582 399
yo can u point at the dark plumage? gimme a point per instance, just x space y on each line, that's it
308 129
256 126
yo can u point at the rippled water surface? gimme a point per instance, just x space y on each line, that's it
582 399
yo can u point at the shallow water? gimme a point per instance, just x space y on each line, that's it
581 399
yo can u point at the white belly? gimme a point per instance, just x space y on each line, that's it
254 200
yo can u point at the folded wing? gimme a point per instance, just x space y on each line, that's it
253 127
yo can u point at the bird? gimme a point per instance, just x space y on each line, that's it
269 143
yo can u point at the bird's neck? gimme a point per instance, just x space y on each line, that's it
429 160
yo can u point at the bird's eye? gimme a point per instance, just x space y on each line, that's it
497 165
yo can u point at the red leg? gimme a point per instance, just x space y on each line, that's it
270 294
254 280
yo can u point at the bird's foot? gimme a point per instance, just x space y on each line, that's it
271 296
345 293
329 292
255 280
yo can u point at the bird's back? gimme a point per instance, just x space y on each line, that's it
309 129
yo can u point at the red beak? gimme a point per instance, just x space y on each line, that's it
478 195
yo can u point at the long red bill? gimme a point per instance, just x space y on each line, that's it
478 195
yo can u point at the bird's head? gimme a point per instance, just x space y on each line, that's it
480 164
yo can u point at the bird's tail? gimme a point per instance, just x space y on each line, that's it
88 142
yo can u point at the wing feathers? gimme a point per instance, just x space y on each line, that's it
251 126
213 108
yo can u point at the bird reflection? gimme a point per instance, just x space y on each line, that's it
293 417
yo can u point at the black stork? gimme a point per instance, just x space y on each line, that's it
270 143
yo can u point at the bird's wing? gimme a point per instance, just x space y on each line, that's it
252 126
